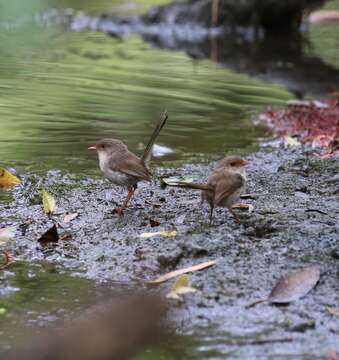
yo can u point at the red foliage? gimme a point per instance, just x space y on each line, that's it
312 122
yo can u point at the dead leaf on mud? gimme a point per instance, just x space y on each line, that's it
247 207
7 234
69 217
48 202
180 287
8 180
166 233
8 259
333 311
154 222
176 180
50 236
293 286
176 273
290 141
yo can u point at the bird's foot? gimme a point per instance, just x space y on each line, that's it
119 211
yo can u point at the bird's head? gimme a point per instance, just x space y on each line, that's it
232 163
109 146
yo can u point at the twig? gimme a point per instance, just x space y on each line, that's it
215 12
258 342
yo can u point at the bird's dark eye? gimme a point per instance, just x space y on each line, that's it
103 146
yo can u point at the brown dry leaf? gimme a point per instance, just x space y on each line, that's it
180 287
69 217
176 273
7 179
293 286
48 202
50 236
154 222
166 233
7 234
333 311
247 207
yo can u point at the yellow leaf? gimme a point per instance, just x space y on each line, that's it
176 273
7 234
166 233
48 202
8 180
180 287
291 141
333 311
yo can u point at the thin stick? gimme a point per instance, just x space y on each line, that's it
215 12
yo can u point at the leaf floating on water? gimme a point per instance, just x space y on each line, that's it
48 202
176 273
69 217
7 234
166 233
50 236
8 180
293 286
176 180
180 287
333 311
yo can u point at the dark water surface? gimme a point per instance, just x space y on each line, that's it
60 91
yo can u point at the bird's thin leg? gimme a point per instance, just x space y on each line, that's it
235 216
124 206
211 214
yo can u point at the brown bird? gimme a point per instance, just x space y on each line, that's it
124 168
224 186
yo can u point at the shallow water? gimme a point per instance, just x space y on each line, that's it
60 91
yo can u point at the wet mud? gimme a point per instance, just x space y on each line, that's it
294 224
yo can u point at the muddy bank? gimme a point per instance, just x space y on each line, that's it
294 223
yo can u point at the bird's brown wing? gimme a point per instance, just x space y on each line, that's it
225 185
132 165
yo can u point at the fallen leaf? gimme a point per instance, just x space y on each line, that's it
154 222
51 235
7 234
180 287
293 286
69 217
247 207
7 179
176 273
166 233
176 180
290 141
48 202
8 259
333 311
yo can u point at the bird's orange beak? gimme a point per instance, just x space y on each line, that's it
92 147
245 162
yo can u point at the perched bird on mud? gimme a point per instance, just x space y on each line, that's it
124 168
224 186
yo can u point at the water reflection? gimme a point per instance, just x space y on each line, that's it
62 90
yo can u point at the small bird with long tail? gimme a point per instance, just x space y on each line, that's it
124 168
224 186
